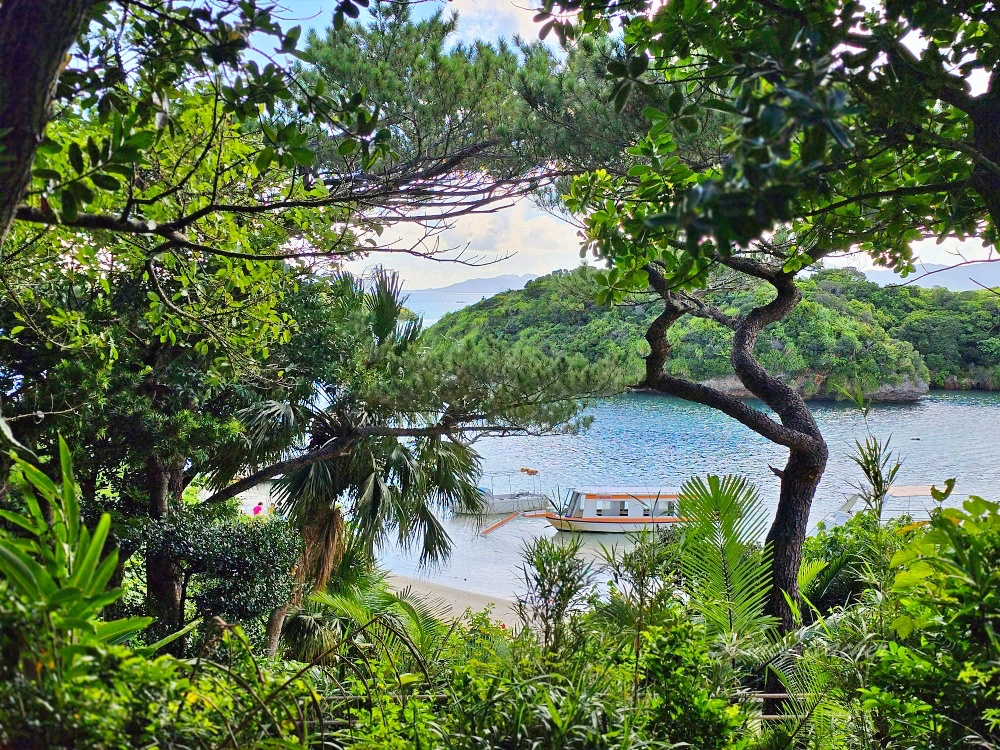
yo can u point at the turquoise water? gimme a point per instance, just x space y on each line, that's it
654 440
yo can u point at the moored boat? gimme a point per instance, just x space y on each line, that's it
616 510
512 502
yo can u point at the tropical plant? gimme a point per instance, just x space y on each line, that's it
556 581
55 567
644 575
688 705
938 684
726 571
65 678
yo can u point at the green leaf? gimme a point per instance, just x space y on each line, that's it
70 208
152 648
675 102
70 504
105 182
141 139
83 569
264 159
19 569
303 156
76 157
49 146
5 426
47 174
121 629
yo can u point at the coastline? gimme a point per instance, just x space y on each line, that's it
458 601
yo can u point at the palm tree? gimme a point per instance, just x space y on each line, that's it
389 488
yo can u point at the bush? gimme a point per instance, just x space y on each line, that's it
677 669
938 686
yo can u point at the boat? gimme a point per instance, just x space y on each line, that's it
616 510
912 500
512 502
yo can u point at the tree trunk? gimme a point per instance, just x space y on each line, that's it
797 429
275 622
799 481
164 578
35 37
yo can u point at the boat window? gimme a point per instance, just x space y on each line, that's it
645 510
603 508
622 508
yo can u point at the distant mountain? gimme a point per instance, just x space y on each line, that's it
492 285
958 279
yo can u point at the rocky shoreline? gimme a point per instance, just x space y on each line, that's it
814 388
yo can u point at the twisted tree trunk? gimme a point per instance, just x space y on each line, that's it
797 429
35 38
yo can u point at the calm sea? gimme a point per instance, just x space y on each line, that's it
654 440
434 305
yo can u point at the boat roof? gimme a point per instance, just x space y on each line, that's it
910 490
626 490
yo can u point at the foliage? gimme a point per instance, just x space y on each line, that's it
678 667
822 339
953 331
938 685
66 681
725 570
234 567
556 580
837 126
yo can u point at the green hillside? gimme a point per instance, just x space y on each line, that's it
846 328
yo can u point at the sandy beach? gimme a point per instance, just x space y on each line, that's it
457 600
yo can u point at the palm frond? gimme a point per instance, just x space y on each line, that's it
726 572
816 717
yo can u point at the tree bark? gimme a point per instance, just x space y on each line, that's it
35 37
799 481
798 431
164 578
275 623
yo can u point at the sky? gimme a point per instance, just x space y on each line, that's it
522 238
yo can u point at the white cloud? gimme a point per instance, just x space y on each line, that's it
491 19
517 240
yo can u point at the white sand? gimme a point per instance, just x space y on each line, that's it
457 600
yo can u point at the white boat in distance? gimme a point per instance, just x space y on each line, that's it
513 502
616 510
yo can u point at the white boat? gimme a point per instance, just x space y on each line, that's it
616 510
913 500
512 502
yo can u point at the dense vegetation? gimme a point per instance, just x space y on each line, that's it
176 202
846 329
673 650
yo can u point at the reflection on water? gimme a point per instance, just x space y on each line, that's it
653 440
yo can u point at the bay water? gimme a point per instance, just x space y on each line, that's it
648 440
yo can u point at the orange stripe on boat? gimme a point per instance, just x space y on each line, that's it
617 519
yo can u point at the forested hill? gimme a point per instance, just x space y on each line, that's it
846 329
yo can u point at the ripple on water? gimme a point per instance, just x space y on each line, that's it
641 439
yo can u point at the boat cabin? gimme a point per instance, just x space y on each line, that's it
621 502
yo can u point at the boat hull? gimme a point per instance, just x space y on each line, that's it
622 525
